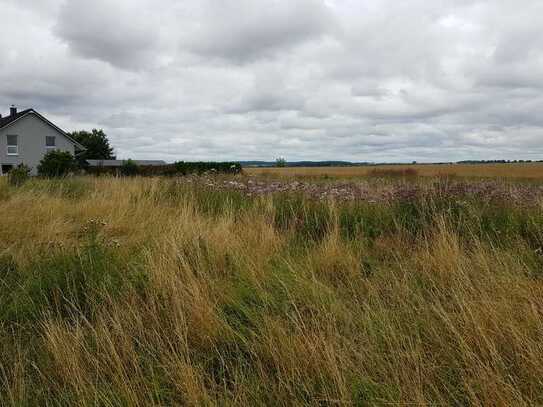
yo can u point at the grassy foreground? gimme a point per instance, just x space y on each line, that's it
150 292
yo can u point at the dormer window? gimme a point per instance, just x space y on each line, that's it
13 146
50 142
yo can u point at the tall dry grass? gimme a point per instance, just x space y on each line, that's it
148 292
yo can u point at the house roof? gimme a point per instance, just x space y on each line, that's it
7 120
4 121
118 163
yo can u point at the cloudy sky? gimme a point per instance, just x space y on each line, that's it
363 80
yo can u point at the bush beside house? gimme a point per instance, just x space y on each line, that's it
57 163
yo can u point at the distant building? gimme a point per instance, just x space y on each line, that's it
119 163
26 136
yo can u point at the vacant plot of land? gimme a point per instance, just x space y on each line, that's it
520 170
214 291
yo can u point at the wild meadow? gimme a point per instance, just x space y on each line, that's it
159 291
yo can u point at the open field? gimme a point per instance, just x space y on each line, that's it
514 170
201 291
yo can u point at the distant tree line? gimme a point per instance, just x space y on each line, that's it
282 163
496 161
130 168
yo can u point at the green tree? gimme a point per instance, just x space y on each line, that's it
281 162
96 144
57 163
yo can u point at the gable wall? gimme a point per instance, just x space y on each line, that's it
32 132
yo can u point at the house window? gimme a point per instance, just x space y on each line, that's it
13 147
50 142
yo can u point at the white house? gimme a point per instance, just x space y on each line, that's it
26 136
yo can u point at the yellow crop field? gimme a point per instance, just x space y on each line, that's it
512 170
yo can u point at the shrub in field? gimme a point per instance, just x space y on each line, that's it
19 175
57 164
129 168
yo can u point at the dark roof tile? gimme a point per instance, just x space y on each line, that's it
4 121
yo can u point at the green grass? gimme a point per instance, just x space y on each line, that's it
150 292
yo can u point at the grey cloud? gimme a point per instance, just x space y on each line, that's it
378 80
245 30
122 32
271 101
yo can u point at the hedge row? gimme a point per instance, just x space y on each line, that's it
178 168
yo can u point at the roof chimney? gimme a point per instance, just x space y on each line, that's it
12 110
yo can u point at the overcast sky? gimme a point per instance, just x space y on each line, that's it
362 80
